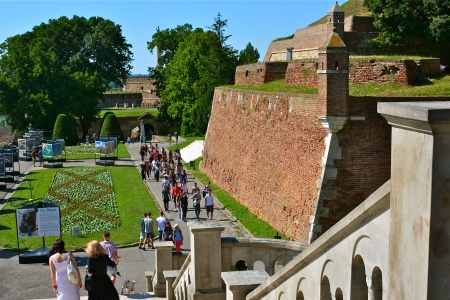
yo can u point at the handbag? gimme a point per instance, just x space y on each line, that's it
72 275
88 283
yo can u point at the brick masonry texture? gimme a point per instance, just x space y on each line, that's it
358 32
304 72
266 152
266 157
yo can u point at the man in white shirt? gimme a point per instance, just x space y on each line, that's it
161 223
209 204
166 181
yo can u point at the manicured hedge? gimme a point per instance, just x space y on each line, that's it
65 128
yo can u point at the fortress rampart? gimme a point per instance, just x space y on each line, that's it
304 71
266 150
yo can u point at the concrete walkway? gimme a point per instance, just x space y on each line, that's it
32 281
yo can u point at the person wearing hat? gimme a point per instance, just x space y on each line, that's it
178 237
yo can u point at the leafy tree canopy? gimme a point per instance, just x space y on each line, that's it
249 55
397 19
192 63
62 66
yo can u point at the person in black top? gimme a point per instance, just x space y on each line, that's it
96 267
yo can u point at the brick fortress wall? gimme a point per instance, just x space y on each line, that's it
265 149
304 72
252 148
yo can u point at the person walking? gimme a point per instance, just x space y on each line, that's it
178 237
166 197
58 261
209 204
111 251
33 157
96 267
40 157
142 235
161 222
184 205
168 233
149 233
196 202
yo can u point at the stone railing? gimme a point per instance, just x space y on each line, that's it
361 234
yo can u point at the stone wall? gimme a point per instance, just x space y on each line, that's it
260 73
302 72
139 84
359 24
265 149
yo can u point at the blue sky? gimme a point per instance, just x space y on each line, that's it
257 22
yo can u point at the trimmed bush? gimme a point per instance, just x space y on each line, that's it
65 128
111 127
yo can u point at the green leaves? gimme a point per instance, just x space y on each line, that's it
62 66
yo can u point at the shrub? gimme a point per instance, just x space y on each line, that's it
65 128
111 127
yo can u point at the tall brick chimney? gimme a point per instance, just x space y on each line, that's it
332 76
335 18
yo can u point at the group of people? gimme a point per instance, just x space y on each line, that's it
165 232
103 260
158 161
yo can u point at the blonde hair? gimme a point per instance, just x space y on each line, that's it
95 249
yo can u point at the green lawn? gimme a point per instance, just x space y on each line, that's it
132 198
130 112
86 152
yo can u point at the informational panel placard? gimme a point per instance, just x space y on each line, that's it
109 147
9 159
2 167
38 222
51 150
63 143
26 144
108 139
100 147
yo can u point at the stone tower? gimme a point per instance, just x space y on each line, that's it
332 76
332 80
335 18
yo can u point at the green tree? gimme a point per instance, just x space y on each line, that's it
111 127
398 19
65 128
63 66
249 55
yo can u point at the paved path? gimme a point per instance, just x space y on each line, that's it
32 281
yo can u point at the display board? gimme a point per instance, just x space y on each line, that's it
63 143
108 139
51 150
26 144
104 147
38 222
9 159
2 166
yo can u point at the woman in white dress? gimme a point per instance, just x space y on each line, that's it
58 261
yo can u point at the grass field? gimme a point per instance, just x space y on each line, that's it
130 112
132 198
86 152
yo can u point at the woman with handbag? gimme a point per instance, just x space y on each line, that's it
64 272
103 288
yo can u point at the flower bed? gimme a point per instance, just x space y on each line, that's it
86 197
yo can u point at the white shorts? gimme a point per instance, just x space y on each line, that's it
142 236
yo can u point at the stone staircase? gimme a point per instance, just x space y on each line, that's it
193 151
